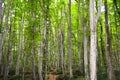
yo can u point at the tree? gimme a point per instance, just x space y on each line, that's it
41 53
7 61
93 39
19 46
1 18
69 40
110 71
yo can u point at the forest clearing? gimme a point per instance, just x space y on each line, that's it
59 40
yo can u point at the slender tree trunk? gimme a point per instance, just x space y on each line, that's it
19 48
33 54
85 52
69 40
58 48
102 47
24 58
5 66
62 52
45 42
86 64
79 54
8 54
1 19
33 62
40 62
108 41
23 69
41 53
62 41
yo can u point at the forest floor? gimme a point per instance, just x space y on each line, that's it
52 76
58 76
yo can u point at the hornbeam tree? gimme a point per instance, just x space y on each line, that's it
110 71
69 40
93 39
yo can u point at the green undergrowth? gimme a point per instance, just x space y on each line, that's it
77 75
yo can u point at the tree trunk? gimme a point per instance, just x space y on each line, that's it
69 40
85 52
8 54
110 71
93 39
45 42
93 43
62 52
1 15
40 53
62 31
33 62
40 62
78 33
33 53
103 61
19 48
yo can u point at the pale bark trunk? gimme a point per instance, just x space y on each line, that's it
24 59
62 27
93 39
86 64
85 52
40 62
3 34
40 55
62 52
9 43
18 58
0 30
8 54
93 44
69 40
58 50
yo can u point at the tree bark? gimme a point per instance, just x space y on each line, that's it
1 16
93 39
69 40
8 53
110 71
33 53
19 47
78 33
41 53
45 42
93 43
85 51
